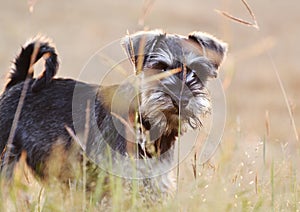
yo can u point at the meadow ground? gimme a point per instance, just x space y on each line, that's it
256 167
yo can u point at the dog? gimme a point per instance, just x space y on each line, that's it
137 120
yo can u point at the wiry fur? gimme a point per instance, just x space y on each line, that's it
199 56
50 105
20 69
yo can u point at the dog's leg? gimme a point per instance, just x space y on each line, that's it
9 160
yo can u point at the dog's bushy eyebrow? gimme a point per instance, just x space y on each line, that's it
141 43
162 54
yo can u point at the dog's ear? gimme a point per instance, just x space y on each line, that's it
139 45
212 48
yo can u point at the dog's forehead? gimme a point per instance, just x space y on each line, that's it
188 50
174 48
177 44
182 45
182 48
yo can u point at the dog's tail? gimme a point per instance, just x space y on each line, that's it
30 54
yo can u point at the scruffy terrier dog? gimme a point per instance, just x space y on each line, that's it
168 95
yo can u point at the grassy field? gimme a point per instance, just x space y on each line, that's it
256 167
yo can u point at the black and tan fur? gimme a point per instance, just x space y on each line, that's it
50 106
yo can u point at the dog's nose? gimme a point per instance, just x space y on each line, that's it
184 101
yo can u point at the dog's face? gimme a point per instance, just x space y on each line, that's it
180 95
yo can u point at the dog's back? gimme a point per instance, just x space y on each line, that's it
41 121
47 110
21 71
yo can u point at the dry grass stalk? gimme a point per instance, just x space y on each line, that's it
123 121
86 136
256 184
161 75
39 203
239 20
140 59
19 108
267 124
179 122
31 4
194 165
285 98
87 122
112 64
131 51
255 49
74 137
147 7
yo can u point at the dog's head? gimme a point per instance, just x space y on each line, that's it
174 70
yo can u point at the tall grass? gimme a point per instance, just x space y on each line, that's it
242 176
240 180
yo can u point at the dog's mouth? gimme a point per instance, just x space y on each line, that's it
175 119
184 114
187 117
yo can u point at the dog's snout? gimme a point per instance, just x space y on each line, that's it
183 101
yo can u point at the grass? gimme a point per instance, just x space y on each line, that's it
239 178
246 174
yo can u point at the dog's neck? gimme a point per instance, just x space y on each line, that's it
137 133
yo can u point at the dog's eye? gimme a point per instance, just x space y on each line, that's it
160 65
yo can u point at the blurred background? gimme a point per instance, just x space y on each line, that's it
257 110
80 28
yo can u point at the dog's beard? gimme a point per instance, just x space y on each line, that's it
161 109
